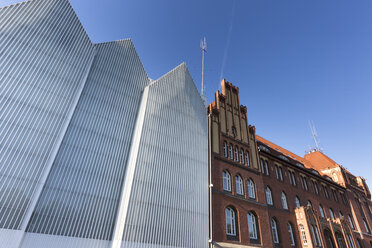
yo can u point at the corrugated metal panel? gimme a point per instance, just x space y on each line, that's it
44 53
81 194
168 204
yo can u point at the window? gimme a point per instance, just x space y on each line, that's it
242 156
304 183
276 172
280 173
269 198
332 213
251 189
231 152
325 191
366 226
239 185
341 215
267 167
262 166
247 159
351 222
291 236
292 178
334 192
274 228
237 154
321 211
297 202
310 204
350 241
230 222
303 234
284 201
316 237
226 181
225 149
315 186
252 226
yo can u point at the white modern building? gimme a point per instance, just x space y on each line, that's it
92 153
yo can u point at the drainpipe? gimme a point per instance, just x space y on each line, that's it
210 185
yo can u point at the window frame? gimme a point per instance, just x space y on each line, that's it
251 189
226 175
283 197
233 223
269 196
239 179
275 231
252 225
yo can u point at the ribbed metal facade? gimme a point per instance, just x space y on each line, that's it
90 151
169 201
81 194
44 54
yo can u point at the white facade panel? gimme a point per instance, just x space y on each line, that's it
80 198
168 204
44 55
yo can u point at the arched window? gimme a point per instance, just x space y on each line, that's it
247 159
284 201
351 222
225 149
226 181
262 166
230 222
291 235
276 171
316 237
237 154
239 185
280 173
267 167
252 226
297 202
303 234
274 228
310 204
251 189
269 197
321 211
341 215
231 152
332 213
242 156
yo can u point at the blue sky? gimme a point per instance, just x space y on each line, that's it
293 61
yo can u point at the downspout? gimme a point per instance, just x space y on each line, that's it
210 185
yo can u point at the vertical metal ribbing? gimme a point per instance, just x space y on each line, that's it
168 205
129 174
81 196
41 70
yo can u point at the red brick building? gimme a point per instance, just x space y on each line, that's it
265 196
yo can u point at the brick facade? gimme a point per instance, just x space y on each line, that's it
315 180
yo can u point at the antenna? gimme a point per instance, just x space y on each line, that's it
203 47
315 136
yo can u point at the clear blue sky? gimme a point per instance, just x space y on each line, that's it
293 61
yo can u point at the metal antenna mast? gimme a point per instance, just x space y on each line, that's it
315 135
203 47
